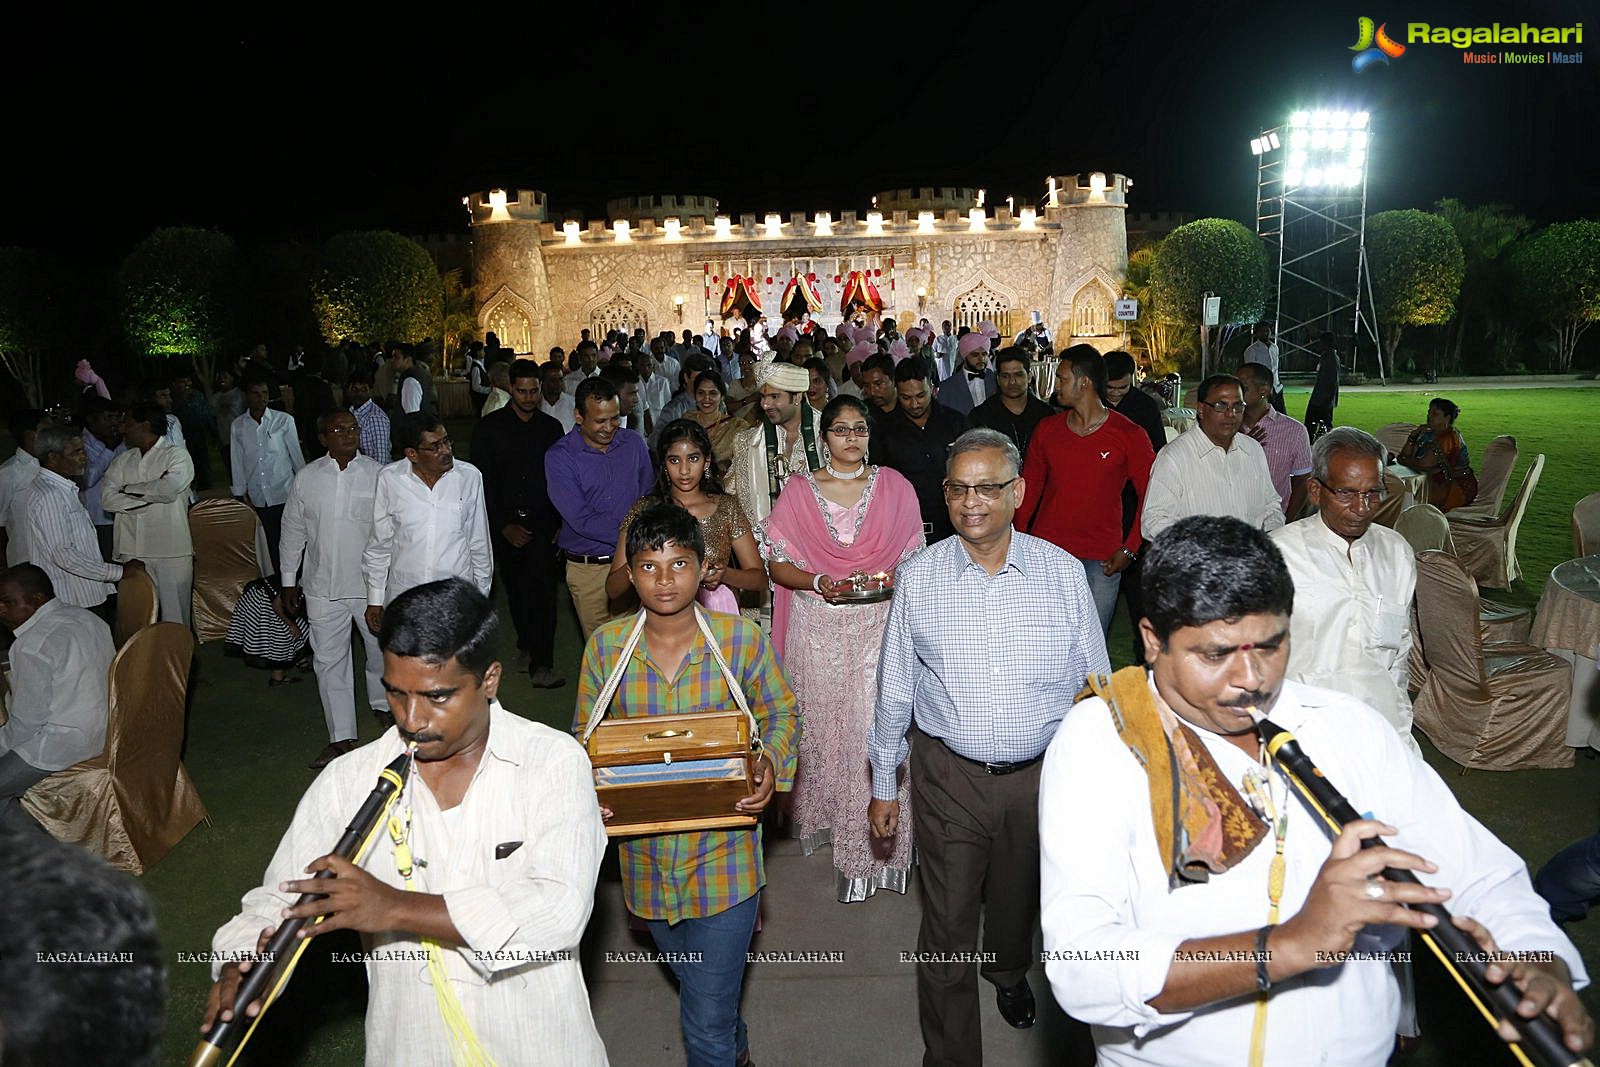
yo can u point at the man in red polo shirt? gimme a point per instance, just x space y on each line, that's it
1080 460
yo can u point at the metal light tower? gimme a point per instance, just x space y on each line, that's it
1311 210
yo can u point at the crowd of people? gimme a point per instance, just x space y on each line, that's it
714 506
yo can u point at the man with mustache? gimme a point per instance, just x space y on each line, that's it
1189 899
505 839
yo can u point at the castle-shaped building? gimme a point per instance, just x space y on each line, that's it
675 263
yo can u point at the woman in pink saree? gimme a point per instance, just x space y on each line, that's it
847 517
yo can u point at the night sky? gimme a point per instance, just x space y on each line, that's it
274 132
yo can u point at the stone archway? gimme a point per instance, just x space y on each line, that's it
616 310
510 318
1094 295
983 302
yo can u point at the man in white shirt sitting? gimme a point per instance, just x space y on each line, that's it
1212 469
326 523
1353 582
57 705
16 474
265 454
146 491
506 841
1163 820
428 518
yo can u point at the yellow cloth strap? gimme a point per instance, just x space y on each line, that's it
1275 877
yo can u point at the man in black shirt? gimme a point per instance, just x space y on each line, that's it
878 385
1131 402
914 439
1014 410
508 447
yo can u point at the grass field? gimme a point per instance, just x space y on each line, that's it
248 747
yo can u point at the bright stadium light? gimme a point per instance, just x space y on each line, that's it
1258 145
1272 140
1299 120
1358 121
1327 150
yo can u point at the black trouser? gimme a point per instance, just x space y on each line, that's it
530 576
1131 590
272 527
1276 400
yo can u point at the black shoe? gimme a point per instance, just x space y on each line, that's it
1016 1004
545 678
333 752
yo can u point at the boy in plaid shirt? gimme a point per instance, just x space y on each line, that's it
699 891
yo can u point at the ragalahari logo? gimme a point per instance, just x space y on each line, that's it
1373 46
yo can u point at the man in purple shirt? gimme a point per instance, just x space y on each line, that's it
1285 441
595 474
102 443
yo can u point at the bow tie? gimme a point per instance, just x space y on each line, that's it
975 375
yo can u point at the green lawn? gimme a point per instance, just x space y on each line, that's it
248 747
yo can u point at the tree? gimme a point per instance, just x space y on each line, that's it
1416 265
1218 256
458 321
1484 307
1557 273
24 330
177 294
375 286
1154 330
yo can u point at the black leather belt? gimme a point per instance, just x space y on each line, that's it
991 768
574 557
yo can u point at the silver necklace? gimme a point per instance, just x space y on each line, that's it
846 477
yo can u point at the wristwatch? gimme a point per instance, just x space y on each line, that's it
1133 557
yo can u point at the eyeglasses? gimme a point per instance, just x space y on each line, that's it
850 431
341 431
442 445
1222 407
1371 498
954 491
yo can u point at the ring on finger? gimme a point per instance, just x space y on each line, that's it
1374 890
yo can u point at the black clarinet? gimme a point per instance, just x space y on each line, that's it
271 972
1454 947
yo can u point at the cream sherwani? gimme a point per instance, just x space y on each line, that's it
147 496
749 470
1351 627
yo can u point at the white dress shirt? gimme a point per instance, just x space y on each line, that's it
517 974
420 535
1351 627
410 396
16 474
653 396
265 456
1105 897
328 519
497 399
60 684
61 540
944 348
147 495
575 378
1192 476
561 410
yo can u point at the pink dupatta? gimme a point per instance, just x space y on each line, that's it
797 530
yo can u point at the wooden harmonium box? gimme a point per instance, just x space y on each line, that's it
664 774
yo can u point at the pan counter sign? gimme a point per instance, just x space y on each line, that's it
1373 45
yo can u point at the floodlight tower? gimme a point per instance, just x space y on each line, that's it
1311 210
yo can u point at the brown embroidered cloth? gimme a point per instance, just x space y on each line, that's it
1202 824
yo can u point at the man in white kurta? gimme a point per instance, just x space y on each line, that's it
428 518
1166 975
1212 469
146 493
1353 582
507 842
326 524
765 456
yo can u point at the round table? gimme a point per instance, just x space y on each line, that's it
1567 624
1415 481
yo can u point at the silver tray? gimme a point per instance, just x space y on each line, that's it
865 596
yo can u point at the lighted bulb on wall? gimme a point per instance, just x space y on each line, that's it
674 229
497 204
620 229
824 224
723 225
1027 219
975 219
874 222
924 222
1097 186
774 225
571 230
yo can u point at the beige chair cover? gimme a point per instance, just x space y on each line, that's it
1425 529
134 801
137 605
224 533
1586 526
1394 501
1493 706
1488 547
1394 435
1494 474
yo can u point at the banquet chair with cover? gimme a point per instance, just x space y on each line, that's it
1495 705
1426 529
137 605
1494 475
1488 547
1394 501
134 801
1586 526
224 534
1393 435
